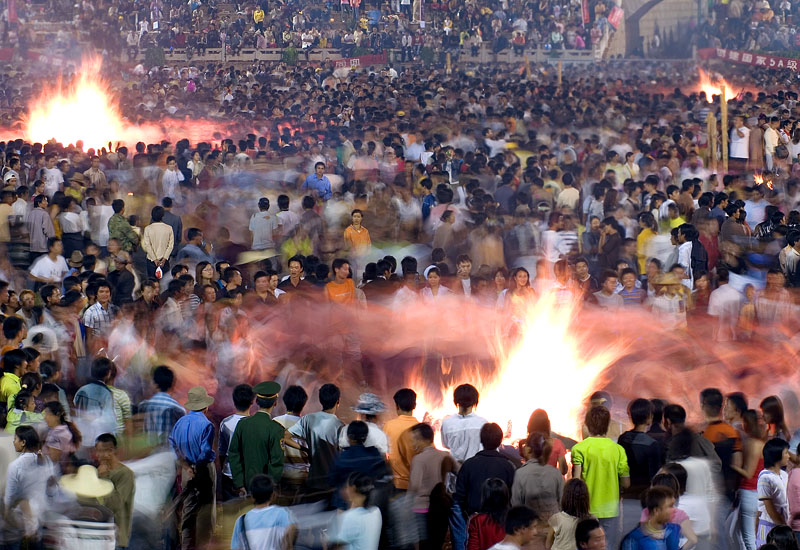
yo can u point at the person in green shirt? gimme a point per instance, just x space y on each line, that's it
603 465
120 229
120 500
255 447
15 362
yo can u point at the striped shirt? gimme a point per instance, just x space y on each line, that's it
122 407
633 297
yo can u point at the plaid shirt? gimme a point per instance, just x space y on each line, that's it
161 412
99 319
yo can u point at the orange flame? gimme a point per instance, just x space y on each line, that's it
552 367
761 180
712 86
84 111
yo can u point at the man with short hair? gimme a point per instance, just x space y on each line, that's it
157 242
265 227
726 440
243 397
40 227
98 180
94 403
170 179
603 465
256 441
607 297
174 221
266 526
401 444
320 431
119 228
100 316
589 535
50 268
520 527
318 183
295 283
485 464
161 411
342 289
463 274
120 501
295 463
196 250
461 432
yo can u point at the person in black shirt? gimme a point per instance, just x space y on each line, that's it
644 460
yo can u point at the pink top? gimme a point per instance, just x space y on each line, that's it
678 516
793 495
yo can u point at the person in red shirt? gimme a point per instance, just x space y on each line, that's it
487 527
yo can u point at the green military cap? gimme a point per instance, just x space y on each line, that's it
267 390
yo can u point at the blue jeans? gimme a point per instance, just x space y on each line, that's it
458 528
612 528
748 507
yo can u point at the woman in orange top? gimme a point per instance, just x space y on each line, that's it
356 237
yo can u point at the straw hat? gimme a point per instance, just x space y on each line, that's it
76 259
369 403
86 483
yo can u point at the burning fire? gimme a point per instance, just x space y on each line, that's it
760 180
552 367
84 110
712 85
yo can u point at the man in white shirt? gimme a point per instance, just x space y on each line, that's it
686 233
171 179
264 226
50 268
52 176
724 303
771 140
461 433
740 143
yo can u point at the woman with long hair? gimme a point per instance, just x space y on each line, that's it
203 275
486 528
574 509
26 483
540 422
772 410
752 464
537 484
63 438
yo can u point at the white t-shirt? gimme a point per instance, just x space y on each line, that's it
772 486
462 435
263 224
45 268
740 146
375 438
359 529
53 178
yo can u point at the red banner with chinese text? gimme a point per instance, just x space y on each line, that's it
361 61
750 58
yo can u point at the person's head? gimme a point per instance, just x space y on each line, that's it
243 397
538 448
491 436
295 266
751 424
495 499
608 281
262 488
319 169
157 214
776 453
711 402
575 498
674 416
589 535
194 236
640 412
15 362
357 432
26 440
54 246
405 400
24 401
103 292
358 488
422 435
13 329
520 278
356 216
660 502
105 447
782 536
295 399
329 396
772 410
166 202
118 205
521 524
101 369
163 378
597 421
463 266
465 397
341 269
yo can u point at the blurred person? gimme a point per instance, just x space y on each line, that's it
243 397
574 508
537 484
266 526
521 529
359 527
295 461
657 532
63 437
752 465
120 500
400 438
487 527
589 535
772 482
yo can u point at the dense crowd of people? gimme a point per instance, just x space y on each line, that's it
136 281
751 26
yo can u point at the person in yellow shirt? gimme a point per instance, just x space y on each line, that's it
14 364
7 198
342 289
648 229
258 18
401 442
